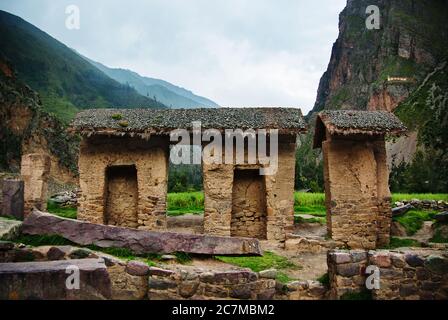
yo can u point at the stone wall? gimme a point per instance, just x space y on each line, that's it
356 192
403 274
135 280
150 159
35 169
219 197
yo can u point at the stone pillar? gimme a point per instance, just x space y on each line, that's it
280 191
13 201
35 168
218 186
351 190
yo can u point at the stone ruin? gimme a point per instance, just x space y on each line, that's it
123 170
356 176
124 158
123 177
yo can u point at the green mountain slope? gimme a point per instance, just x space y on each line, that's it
65 81
160 90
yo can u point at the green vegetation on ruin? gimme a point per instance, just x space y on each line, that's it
269 260
401 243
413 220
363 295
64 212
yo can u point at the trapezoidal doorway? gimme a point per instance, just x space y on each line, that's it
121 196
248 204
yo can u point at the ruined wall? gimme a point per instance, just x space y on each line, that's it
35 169
150 159
357 192
351 187
403 274
279 190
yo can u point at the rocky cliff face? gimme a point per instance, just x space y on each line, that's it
378 69
402 68
26 128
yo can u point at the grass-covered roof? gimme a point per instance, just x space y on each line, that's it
159 121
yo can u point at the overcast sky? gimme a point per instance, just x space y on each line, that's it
235 52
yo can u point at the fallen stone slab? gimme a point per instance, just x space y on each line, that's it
138 241
398 211
9 228
48 280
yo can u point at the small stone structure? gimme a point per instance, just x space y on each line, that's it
356 176
35 169
123 167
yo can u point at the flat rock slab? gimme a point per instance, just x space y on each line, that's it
138 241
48 280
9 228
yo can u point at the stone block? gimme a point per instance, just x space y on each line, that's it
13 198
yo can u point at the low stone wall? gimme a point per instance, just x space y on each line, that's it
135 280
424 204
197 284
403 274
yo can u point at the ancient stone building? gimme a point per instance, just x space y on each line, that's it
356 175
123 168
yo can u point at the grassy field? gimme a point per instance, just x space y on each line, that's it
304 203
310 203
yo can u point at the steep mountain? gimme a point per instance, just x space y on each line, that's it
401 68
160 90
377 69
26 128
64 80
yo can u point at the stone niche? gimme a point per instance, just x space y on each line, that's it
356 176
121 196
248 204
123 181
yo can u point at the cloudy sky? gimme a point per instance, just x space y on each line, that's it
235 52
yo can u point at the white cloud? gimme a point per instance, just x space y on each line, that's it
236 52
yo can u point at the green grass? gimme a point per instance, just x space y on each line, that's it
284 278
439 236
363 295
298 219
53 207
419 196
269 260
400 242
185 202
42 240
413 220
324 279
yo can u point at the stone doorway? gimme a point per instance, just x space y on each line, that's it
121 196
248 204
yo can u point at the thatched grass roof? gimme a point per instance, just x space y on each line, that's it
162 121
355 122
